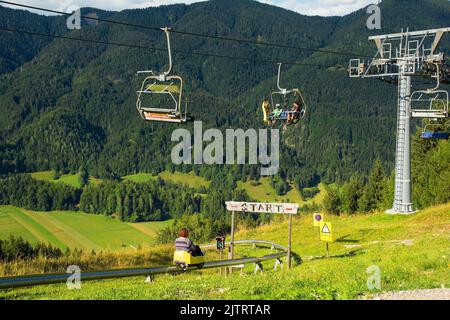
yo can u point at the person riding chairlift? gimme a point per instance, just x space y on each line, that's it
295 110
183 243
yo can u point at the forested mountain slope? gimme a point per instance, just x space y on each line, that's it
65 103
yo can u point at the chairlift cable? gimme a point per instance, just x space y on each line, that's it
158 49
270 44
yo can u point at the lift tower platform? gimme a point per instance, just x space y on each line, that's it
404 55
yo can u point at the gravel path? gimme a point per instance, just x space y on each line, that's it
420 294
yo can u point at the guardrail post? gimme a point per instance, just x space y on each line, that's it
150 278
259 266
279 263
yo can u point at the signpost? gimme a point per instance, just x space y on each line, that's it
260 207
326 233
317 218
220 245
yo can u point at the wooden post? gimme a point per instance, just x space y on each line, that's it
220 258
289 241
232 235
231 252
328 251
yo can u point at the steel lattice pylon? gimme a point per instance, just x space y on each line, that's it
404 55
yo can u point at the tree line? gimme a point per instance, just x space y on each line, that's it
22 190
430 172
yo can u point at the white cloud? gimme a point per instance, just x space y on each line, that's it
308 7
324 7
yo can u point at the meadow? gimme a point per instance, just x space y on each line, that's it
69 179
262 191
411 252
189 179
71 229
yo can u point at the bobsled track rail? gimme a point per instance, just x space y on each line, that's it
50 278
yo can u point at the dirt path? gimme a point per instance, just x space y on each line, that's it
420 294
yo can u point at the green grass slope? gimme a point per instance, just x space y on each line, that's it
264 192
410 251
77 230
69 179
189 179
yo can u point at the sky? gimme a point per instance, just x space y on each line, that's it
307 7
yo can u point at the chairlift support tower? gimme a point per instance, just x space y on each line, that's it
404 55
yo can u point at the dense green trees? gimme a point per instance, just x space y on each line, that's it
23 191
280 185
137 202
83 176
332 202
353 190
16 248
430 182
431 171
374 191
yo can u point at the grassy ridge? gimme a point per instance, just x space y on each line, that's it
411 252
264 192
77 230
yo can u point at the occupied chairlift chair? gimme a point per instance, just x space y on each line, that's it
163 85
282 111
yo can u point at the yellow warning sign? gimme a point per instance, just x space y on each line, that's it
317 218
326 231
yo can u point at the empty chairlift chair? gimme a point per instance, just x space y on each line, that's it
161 95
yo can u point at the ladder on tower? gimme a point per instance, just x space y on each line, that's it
400 145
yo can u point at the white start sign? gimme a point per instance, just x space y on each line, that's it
261 207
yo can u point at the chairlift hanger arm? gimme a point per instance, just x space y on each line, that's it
283 90
169 50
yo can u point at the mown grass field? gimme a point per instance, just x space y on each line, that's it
77 230
411 252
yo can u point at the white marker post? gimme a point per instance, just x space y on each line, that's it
261 207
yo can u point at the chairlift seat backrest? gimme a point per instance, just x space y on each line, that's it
172 88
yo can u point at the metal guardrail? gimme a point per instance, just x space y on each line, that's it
256 242
32 280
